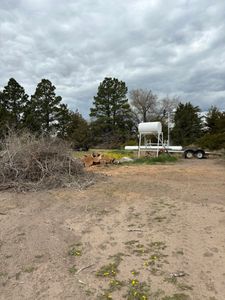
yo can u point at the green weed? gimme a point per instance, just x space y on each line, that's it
134 272
109 270
29 269
137 290
105 296
115 284
157 246
75 250
163 158
73 270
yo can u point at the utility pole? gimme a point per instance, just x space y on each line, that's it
168 124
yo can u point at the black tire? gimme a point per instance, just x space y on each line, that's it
200 154
189 154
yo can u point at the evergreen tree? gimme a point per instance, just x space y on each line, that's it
44 108
214 137
111 112
32 119
12 103
188 125
77 131
63 117
215 121
4 117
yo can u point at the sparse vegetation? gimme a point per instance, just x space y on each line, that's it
109 243
75 250
109 270
115 284
29 269
163 158
137 290
177 297
105 296
73 270
134 272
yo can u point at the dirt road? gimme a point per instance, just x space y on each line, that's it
146 232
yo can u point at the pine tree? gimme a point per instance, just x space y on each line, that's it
63 117
4 117
44 107
111 112
188 124
12 103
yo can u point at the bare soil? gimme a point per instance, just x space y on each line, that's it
145 231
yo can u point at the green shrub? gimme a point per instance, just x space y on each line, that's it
212 141
163 158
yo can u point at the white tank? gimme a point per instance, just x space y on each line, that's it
150 127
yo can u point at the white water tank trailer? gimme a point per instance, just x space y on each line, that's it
155 128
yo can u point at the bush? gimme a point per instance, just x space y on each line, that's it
30 163
162 158
212 141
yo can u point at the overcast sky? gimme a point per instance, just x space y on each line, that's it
173 47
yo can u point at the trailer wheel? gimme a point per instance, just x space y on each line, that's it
199 154
189 154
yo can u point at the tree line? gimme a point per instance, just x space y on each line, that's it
41 113
113 117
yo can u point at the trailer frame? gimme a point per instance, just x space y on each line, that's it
188 153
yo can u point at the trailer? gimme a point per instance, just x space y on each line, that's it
155 128
188 153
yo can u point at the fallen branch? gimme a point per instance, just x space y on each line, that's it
135 230
84 268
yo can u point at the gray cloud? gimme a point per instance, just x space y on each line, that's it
171 47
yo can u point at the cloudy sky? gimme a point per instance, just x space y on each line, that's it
173 47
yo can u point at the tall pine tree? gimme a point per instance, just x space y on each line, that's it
111 112
13 100
43 108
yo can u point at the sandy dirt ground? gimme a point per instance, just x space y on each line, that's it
144 232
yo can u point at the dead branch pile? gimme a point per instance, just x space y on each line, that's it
29 163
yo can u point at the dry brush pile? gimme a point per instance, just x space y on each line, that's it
30 163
